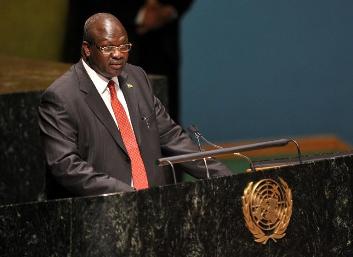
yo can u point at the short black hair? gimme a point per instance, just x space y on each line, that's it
91 20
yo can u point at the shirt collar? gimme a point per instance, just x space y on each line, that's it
100 82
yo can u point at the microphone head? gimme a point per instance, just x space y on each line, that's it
192 129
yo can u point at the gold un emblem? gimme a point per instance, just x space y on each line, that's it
267 208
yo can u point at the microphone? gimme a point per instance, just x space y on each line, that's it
193 129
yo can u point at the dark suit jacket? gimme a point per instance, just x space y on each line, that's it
83 148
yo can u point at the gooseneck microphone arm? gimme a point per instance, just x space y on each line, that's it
193 129
229 150
198 135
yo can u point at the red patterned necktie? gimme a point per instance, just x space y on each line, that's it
139 176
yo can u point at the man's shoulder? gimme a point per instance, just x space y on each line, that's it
66 81
132 69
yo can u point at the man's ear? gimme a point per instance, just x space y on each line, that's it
86 51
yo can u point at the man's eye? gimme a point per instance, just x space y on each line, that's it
109 48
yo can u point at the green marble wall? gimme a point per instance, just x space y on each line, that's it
33 28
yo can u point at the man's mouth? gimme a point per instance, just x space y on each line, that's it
116 65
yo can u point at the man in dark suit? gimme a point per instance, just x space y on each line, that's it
83 137
152 25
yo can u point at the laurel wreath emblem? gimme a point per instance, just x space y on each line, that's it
267 209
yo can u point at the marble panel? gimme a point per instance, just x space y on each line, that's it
202 218
22 167
36 229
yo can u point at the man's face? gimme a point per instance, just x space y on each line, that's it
106 33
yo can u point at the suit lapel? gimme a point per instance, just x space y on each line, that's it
97 105
129 91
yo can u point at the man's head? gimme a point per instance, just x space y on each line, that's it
105 44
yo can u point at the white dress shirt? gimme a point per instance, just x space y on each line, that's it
101 84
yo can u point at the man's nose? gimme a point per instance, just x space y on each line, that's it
117 53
